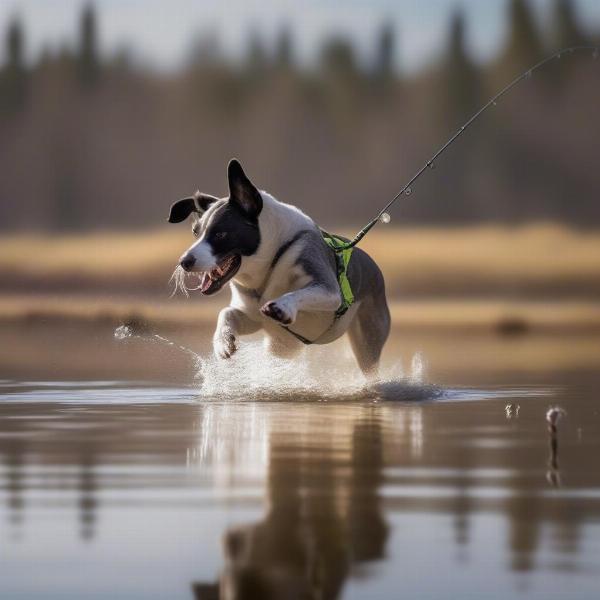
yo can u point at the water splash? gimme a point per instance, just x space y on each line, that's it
253 373
320 374
417 368
124 332
511 410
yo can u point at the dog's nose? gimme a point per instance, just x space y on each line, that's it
187 262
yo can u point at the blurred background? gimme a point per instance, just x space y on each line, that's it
110 111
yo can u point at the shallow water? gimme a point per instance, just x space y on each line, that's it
419 486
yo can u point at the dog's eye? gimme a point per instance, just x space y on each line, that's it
220 235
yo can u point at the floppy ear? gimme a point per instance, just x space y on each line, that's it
242 192
182 209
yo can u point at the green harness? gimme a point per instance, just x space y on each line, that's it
342 258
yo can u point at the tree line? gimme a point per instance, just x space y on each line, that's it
89 142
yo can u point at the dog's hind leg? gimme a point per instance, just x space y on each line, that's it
368 333
232 323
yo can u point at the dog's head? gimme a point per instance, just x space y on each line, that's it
226 230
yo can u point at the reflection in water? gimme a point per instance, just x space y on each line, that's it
296 499
324 520
553 473
87 492
553 416
13 460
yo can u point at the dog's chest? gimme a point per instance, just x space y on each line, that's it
284 279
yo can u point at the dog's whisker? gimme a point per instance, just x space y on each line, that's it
178 281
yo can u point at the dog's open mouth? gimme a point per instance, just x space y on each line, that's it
212 281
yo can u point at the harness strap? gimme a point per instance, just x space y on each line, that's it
304 340
342 259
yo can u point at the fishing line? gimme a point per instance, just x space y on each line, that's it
384 217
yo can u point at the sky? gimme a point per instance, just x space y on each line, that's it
161 32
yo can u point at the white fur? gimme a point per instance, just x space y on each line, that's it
202 252
278 223
284 286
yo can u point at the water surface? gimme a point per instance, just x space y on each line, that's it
418 488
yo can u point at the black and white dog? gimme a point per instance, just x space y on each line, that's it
282 274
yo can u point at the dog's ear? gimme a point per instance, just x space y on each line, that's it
242 192
182 209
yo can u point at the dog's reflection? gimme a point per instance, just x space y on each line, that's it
323 522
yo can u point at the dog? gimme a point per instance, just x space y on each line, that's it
285 278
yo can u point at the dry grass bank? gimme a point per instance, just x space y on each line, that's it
492 316
540 259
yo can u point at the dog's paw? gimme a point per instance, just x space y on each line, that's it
224 345
278 313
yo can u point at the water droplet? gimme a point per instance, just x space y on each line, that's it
494 103
385 218
122 332
408 191
596 54
431 164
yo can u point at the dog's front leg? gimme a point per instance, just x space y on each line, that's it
232 323
310 298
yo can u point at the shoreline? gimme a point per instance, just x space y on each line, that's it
504 317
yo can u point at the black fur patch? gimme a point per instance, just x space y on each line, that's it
232 232
285 247
182 209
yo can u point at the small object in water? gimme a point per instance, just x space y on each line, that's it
553 416
385 218
528 74
512 410
431 164
408 191
123 332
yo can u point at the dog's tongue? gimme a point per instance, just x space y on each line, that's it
205 283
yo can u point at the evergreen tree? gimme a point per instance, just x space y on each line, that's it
341 82
461 79
565 33
87 56
284 49
524 46
257 59
566 28
338 60
384 58
13 88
